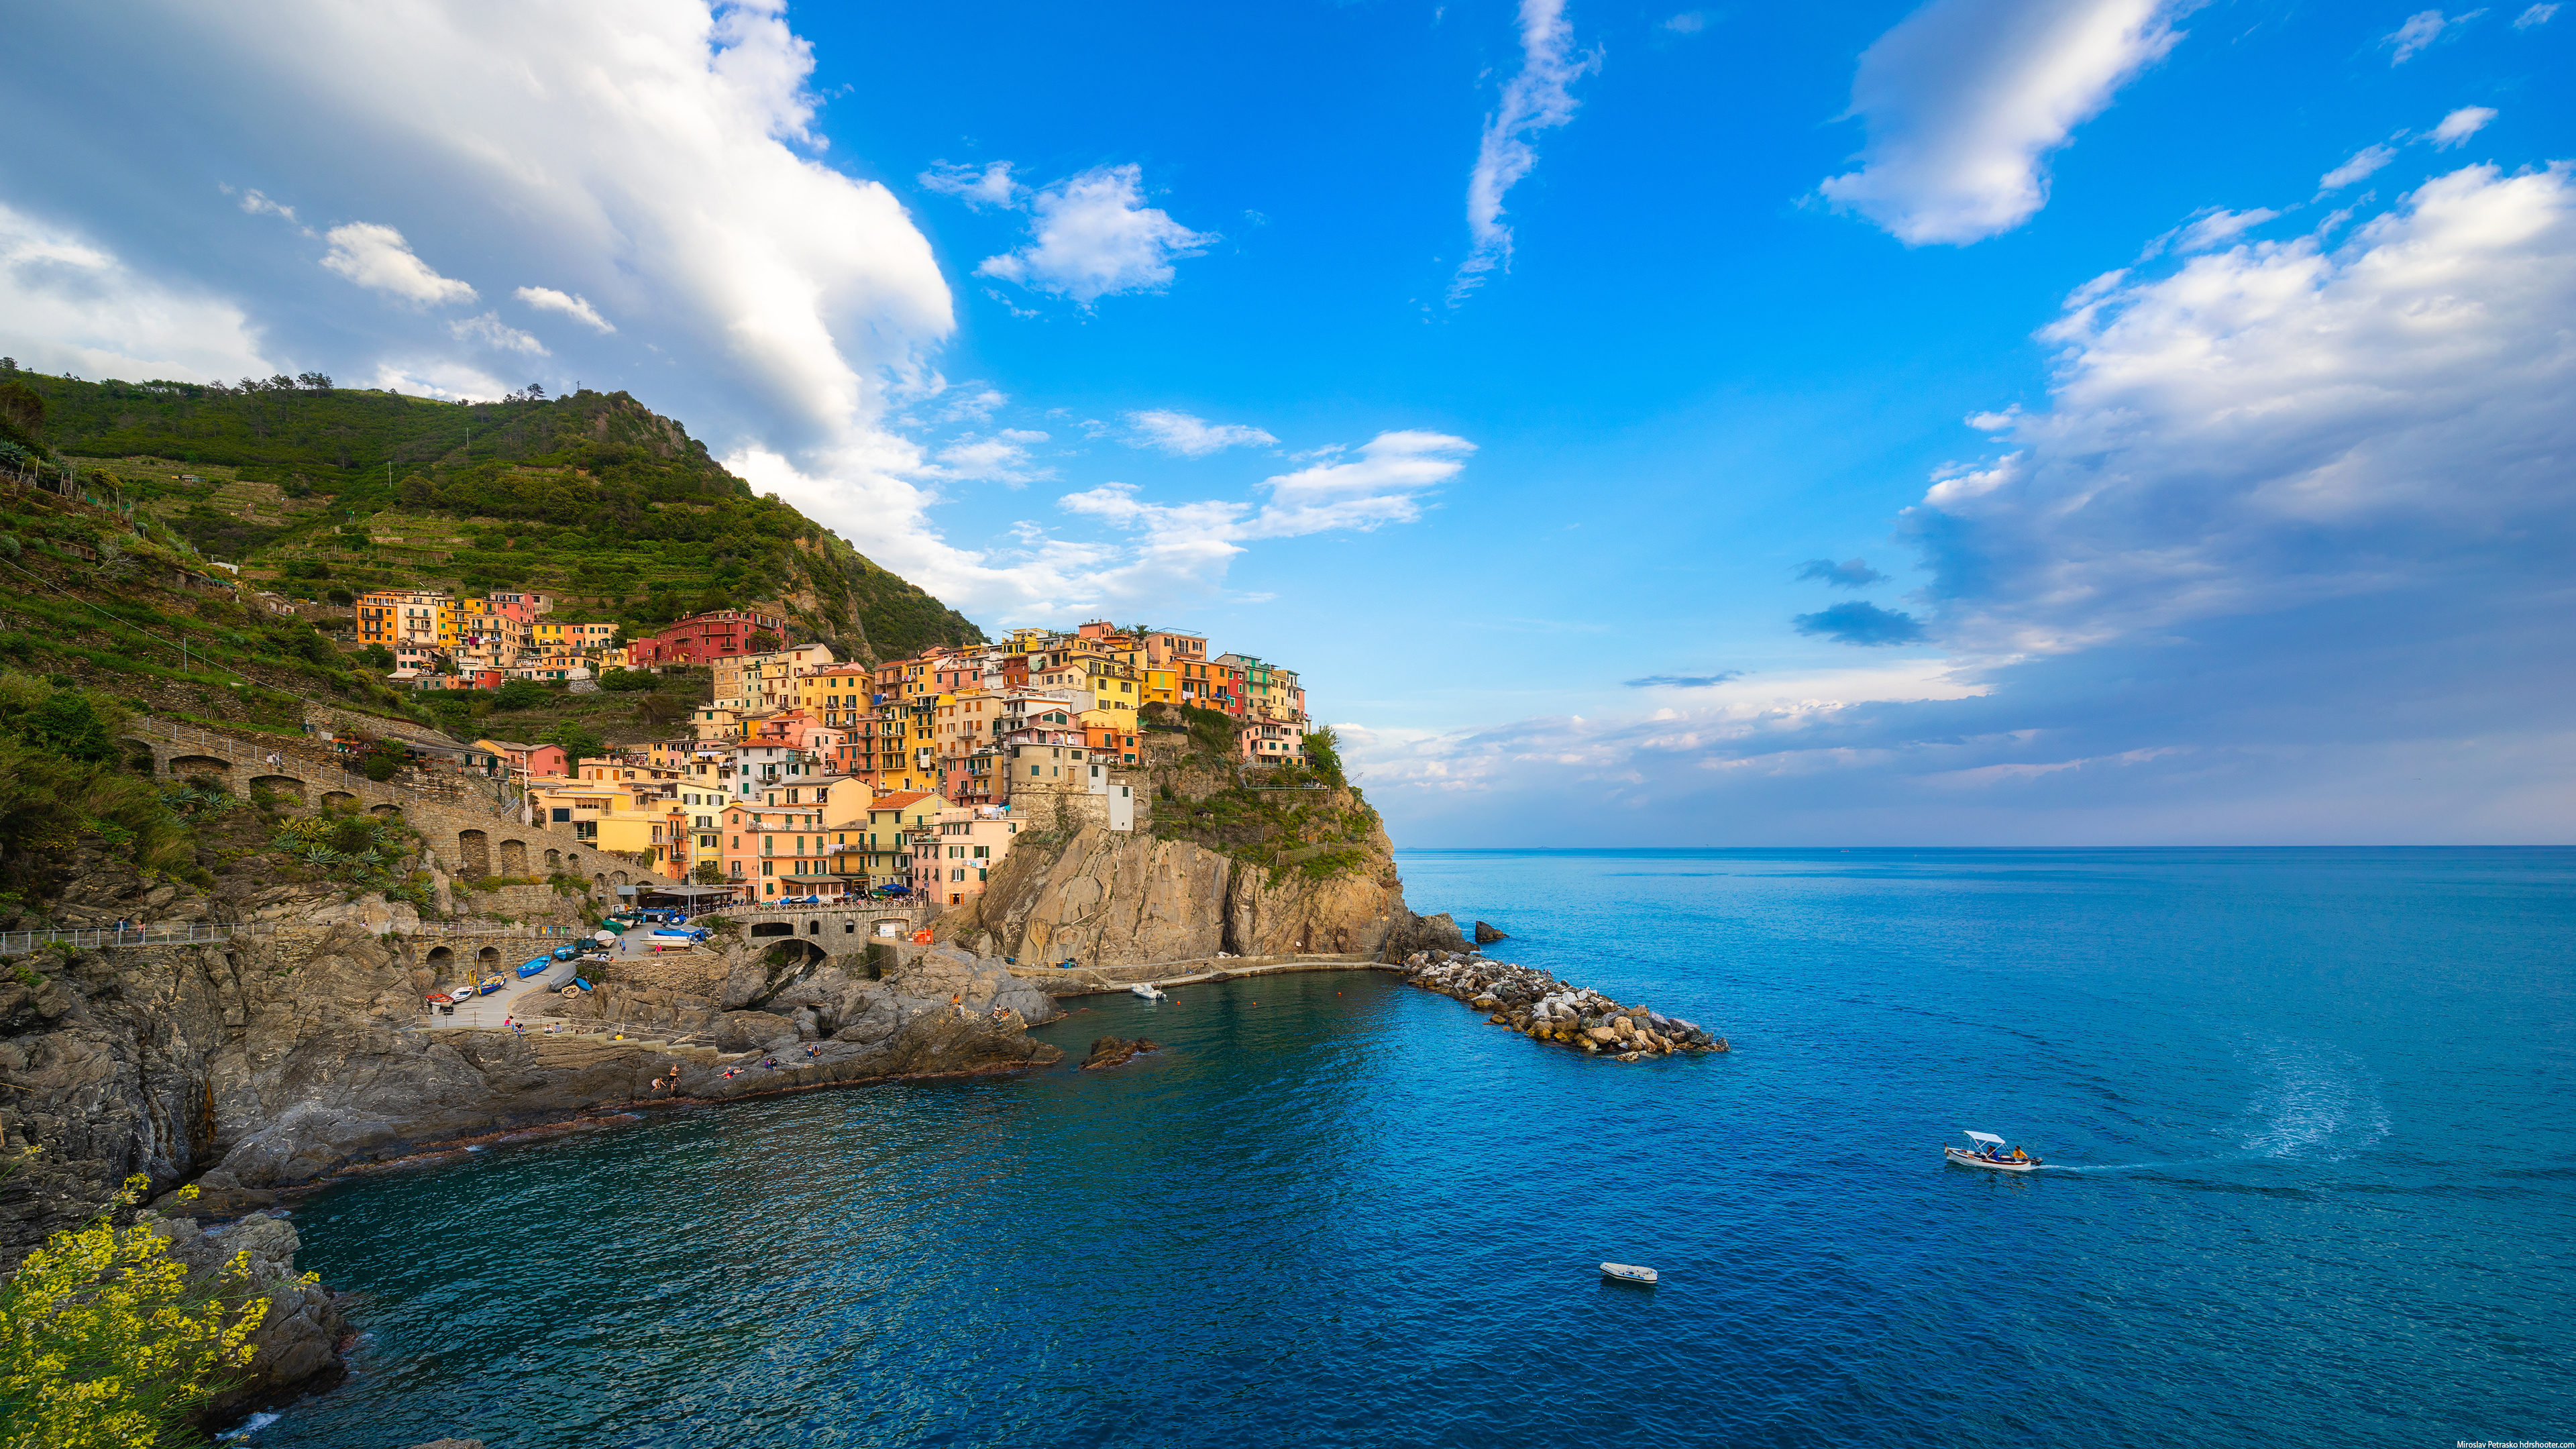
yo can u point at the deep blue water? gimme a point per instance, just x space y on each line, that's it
2311 1107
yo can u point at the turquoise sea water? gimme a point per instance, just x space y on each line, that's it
2313 1175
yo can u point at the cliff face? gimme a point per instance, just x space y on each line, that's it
1118 898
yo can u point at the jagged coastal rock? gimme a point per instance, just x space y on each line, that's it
1542 1008
1487 935
1111 1051
1118 898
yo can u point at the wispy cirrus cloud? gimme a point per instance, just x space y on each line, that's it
490 331
1185 436
2457 127
547 299
2420 32
1965 100
1538 98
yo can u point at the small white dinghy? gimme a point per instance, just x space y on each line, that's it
1628 1273
1149 991
1989 1153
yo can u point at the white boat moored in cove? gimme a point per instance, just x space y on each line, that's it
1628 1273
1149 991
1989 1153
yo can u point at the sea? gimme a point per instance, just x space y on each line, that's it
2305 1114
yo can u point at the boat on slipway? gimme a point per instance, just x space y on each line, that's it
1990 1153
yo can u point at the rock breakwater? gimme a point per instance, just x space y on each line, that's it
1542 1008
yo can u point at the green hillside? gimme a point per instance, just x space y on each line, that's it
320 492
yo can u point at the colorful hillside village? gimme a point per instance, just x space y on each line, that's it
814 780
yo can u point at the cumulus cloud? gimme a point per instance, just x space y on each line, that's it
2280 422
1851 573
489 330
69 305
2364 161
2460 125
547 299
1185 436
1861 622
1965 100
1684 681
377 257
1093 236
1539 98
2283 559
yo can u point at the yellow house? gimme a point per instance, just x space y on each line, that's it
836 694
1162 684
611 816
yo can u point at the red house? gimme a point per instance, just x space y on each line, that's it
704 637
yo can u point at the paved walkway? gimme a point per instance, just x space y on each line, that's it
486 1013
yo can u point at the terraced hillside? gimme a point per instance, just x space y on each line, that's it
316 490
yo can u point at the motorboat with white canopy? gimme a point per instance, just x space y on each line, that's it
1990 1153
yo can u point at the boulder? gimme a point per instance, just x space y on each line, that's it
739 1031
1110 1051
1487 935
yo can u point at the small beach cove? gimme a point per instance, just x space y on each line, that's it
1334 1207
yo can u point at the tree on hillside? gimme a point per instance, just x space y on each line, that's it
520 694
579 741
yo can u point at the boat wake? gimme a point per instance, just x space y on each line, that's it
2316 1102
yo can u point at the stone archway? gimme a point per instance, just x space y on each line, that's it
387 811
599 882
514 858
279 785
774 928
617 877
342 800
488 957
473 854
440 958
554 858
186 765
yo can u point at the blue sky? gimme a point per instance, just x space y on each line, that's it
2173 395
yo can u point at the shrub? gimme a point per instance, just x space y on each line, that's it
105 1342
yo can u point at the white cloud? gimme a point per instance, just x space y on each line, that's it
973 407
2364 161
1689 22
1190 437
439 378
2210 228
1094 237
1966 99
2282 560
2536 15
2460 125
68 305
2421 29
547 299
991 186
257 205
1540 97
489 330
378 258
2280 424
1001 458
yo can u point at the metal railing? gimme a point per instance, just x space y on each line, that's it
20 943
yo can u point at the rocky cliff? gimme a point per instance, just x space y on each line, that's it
1120 898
